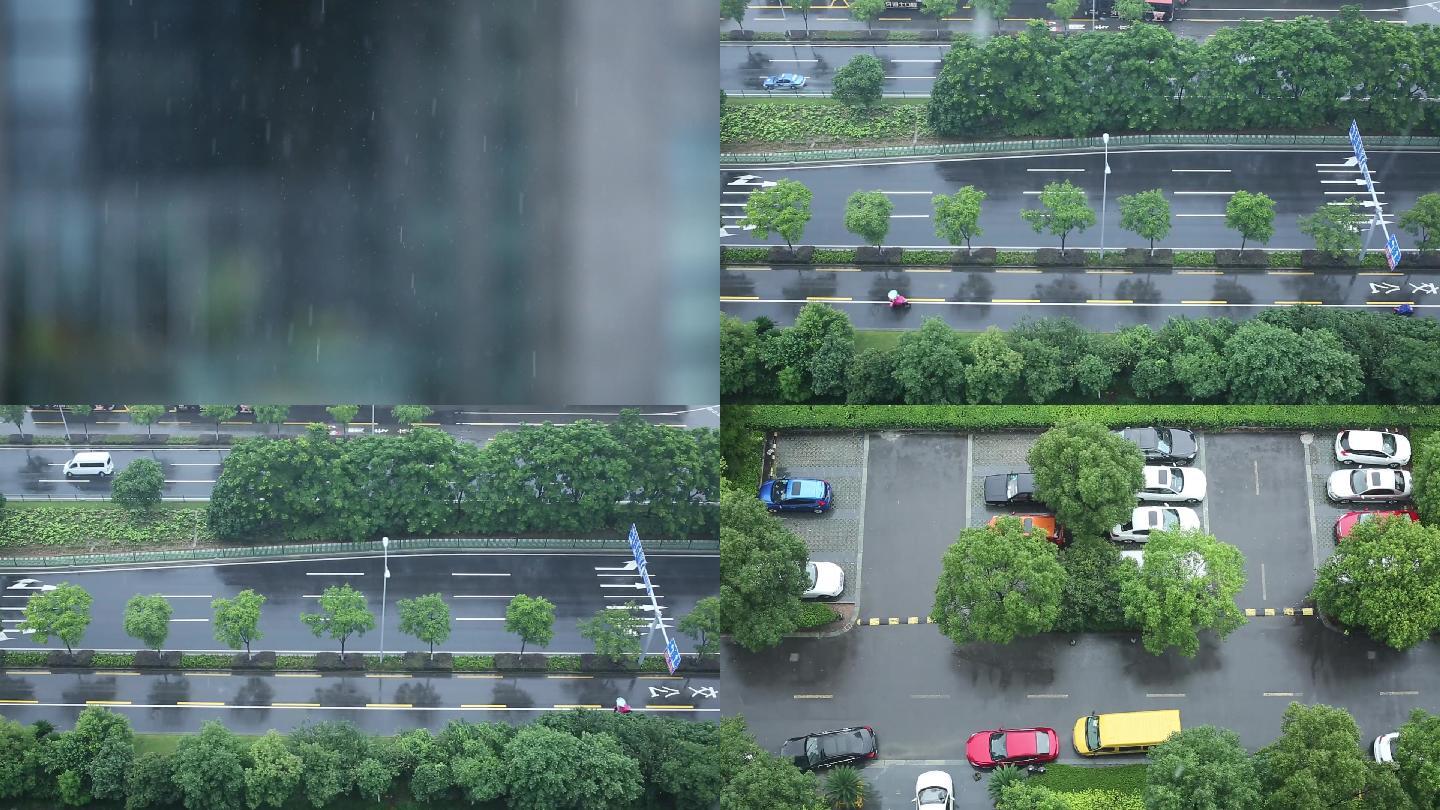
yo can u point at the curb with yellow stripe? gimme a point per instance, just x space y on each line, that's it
894 620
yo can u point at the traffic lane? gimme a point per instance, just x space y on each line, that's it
907 68
1257 501
476 585
914 511
912 684
377 703
38 471
1197 183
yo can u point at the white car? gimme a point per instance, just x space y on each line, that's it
1173 484
825 580
1375 447
1147 519
1389 486
1384 747
1192 563
934 791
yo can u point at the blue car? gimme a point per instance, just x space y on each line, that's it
785 81
797 495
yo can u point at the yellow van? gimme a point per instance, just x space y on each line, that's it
1124 732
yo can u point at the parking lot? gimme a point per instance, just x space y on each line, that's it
902 498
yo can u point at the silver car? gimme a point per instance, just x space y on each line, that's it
1369 486
1147 519
1173 485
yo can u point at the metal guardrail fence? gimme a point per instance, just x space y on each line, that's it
311 549
1049 144
78 497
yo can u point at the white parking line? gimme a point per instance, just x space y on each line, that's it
333 574
469 574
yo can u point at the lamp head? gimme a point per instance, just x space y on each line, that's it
1105 138
385 542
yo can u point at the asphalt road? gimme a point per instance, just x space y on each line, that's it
1198 20
1103 300
377 703
477 586
924 695
1197 183
37 472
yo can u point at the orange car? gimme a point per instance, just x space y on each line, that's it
1054 532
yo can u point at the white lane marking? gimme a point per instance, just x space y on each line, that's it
1054 170
1396 694
1347 193
1256 462
468 619
796 61
1355 182
471 574
185 596
630 565
189 620
1047 696
907 192
1264 593
626 596
1216 171
1198 193
334 574
474 596
1165 695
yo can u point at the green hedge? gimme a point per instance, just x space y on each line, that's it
1123 779
834 256
473 663
1194 258
1284 258
1016 258
62 524
744 255
1040 417
25 658
1104 800
816 614
926 257
818 122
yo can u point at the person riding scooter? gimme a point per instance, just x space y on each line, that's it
897 301
1404 309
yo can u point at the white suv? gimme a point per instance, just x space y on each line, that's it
90 464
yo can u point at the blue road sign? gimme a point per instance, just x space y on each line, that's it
1392 251
672 655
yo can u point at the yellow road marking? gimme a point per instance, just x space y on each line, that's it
1030 270
297 674
386 675
928 270
659 678
571 677
207 674
1379 273
1199 272
828 298
671 707
114 672
739 298
927 300
16 701
1111 272
487 675
814 697
1289 272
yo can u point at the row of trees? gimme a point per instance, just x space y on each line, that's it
597 760
1299 355
65 613
274 415
784 209
1316 762
1304 74
586 477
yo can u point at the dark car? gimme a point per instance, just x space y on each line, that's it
1006 489
825 748
1168 445
797 495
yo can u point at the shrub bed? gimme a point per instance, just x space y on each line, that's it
816 614
1124 779
744 255
76 525
1194 258
811 123
835 256
1104 799
1040 417
926 257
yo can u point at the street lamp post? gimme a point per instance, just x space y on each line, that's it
1104 189
384 583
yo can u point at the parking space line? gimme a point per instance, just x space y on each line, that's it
814 697
1282 694
1058 697
1256 462
860 521
1310 499
929 697
1264 594
1165 695
1399 694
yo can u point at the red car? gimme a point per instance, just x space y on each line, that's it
1012 746
1350 520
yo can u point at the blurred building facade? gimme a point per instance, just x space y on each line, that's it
304 200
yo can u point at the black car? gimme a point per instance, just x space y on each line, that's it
1165 445
825 748
1008 489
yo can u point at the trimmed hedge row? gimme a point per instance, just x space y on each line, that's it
1040 417
62 524
1022 258
157 440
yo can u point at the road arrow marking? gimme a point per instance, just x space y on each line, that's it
663 691
628 566
704 691
1382 287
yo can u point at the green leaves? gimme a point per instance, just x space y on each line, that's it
63 612
342 614
1268 364
1335 228
1087 475
271 415
1188 583
860 82
957 216
1384 578
532 618
408 415
1201 768
703 625
1062 209
427 618
867 215
1252 216
138 487
1145 214
930 364
1423 221
237 621
1315 764
219 413
997 584
15 415
146 415
783 208
615 631
762 572
210 769
147 619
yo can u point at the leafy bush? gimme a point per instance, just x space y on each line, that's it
474 663
563 663
63 524
744 255
834 256
1123 779
1284 258
205 661
12 659
926 257
294 662
816 614
108 660
1103 800
1021 258
1194 258
1041 417
821 121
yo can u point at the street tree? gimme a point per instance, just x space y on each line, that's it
151 782
1266 364
997 584
867 215
342 614
1062 209
1315 764
1146 214
939 8
15 415
1094 375
1384 579
427 618
84 412
783 208
866 11
957 216
1131 11
146 415
218 413
811 356
614 631
343 414
741 366
1188 583
1426 460
273 772
1095 575
861 81
21 769
409 415
237 621
93 759
1201 768
762 572
871 378
147 619
703 625
930 365
1087 475
1417 755
1252 216
769 782
546 768
532 618
1423 221
1063 11
801 7
994 369
210 769
138 487
1335 228
734 10
63 612
272 415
